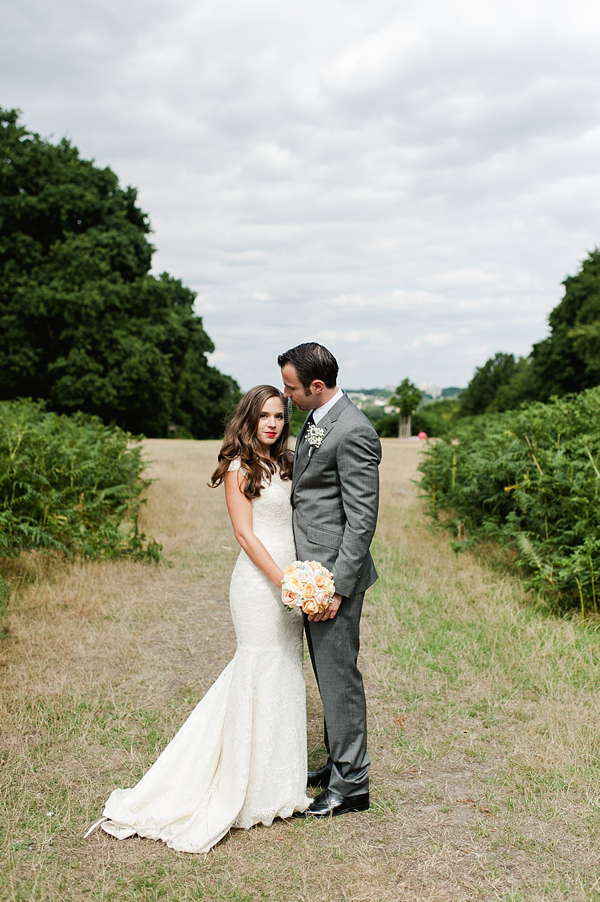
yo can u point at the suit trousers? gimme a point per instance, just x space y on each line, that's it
334 646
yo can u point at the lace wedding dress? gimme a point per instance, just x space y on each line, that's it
240 757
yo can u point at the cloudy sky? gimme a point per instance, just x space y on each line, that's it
406 181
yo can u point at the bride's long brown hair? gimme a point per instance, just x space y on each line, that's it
240 441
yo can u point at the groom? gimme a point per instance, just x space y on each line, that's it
335 495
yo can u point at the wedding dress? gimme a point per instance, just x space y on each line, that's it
240 757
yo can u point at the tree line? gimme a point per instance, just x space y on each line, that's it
566 362
84 326
518 465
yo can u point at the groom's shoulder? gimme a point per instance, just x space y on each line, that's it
353 418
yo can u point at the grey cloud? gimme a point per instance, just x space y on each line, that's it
408 183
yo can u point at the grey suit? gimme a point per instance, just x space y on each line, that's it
335 496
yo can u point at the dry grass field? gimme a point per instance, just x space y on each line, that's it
484 720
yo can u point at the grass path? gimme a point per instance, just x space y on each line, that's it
484 721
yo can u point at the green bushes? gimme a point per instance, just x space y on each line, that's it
434 418
68 484
4 597
529 479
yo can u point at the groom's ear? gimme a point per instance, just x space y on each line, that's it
317 386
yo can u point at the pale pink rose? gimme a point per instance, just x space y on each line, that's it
322 599
319 581
289 598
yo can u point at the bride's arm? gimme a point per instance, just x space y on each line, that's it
240 511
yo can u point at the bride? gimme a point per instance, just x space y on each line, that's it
240 757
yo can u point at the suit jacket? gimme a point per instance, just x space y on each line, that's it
335 497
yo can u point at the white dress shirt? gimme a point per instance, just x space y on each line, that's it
320 412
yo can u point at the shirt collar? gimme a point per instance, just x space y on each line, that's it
320 412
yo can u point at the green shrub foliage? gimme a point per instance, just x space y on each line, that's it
69 484
4 596
529 479
435 419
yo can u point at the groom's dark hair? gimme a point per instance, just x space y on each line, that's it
311 361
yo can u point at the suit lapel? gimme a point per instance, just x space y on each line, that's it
303 454
302 432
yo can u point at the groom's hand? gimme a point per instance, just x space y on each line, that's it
330 611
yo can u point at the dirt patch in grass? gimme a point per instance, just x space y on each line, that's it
483 716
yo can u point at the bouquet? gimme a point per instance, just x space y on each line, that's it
307 585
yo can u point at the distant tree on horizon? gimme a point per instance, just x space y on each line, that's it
451 392
406 398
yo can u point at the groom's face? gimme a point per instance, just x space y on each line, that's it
293 388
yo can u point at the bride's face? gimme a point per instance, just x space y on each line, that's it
270 423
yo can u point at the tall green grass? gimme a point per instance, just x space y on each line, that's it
530 480
69 484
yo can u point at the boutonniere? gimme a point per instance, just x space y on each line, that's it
314 436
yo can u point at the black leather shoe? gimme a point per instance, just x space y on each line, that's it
318 777
329 804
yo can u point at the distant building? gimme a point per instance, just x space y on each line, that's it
380 397
434 391
358 398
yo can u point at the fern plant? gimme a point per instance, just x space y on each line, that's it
4 597
69 484
530 479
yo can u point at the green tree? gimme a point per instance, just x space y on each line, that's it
437 417
83 325
569 359
586 340
407 398
521 387
483 391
